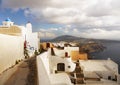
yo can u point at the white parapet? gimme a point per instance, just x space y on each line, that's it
44 75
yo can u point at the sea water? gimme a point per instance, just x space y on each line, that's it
112 51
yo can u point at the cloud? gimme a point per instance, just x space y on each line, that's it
100 8
96 33
41 34
53 29
75 30
50 35
81 15
46 35
24 3
85 12
102 34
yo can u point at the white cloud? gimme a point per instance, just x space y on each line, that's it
46 35
43 30
50 35
53 29
97 33
77 11
75 30
84 14
41 34
102 34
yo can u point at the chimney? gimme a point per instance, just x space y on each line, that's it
66 54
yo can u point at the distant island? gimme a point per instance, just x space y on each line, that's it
70 38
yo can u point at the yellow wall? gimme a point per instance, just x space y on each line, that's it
75 55
13 30
44 45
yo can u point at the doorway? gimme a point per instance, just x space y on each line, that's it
60 67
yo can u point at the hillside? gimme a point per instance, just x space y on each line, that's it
67 38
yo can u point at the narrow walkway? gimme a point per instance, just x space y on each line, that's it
26 73
32 76
20 76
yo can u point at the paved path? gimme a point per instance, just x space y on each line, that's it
24 73
20 76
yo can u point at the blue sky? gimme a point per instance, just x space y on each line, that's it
19 18
51 18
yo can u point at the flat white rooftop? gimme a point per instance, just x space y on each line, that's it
102 82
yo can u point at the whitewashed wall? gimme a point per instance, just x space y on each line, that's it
59 52
66 49
112 66
58 58
43 69
11 49
33 40
101 67
45 77
69 49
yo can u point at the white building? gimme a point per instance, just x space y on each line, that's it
93 70
30 37
61 60
7 23
96 72
26 32
12 38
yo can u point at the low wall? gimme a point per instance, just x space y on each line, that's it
66 49
69 49
112 65
118 78
11 49
43 71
